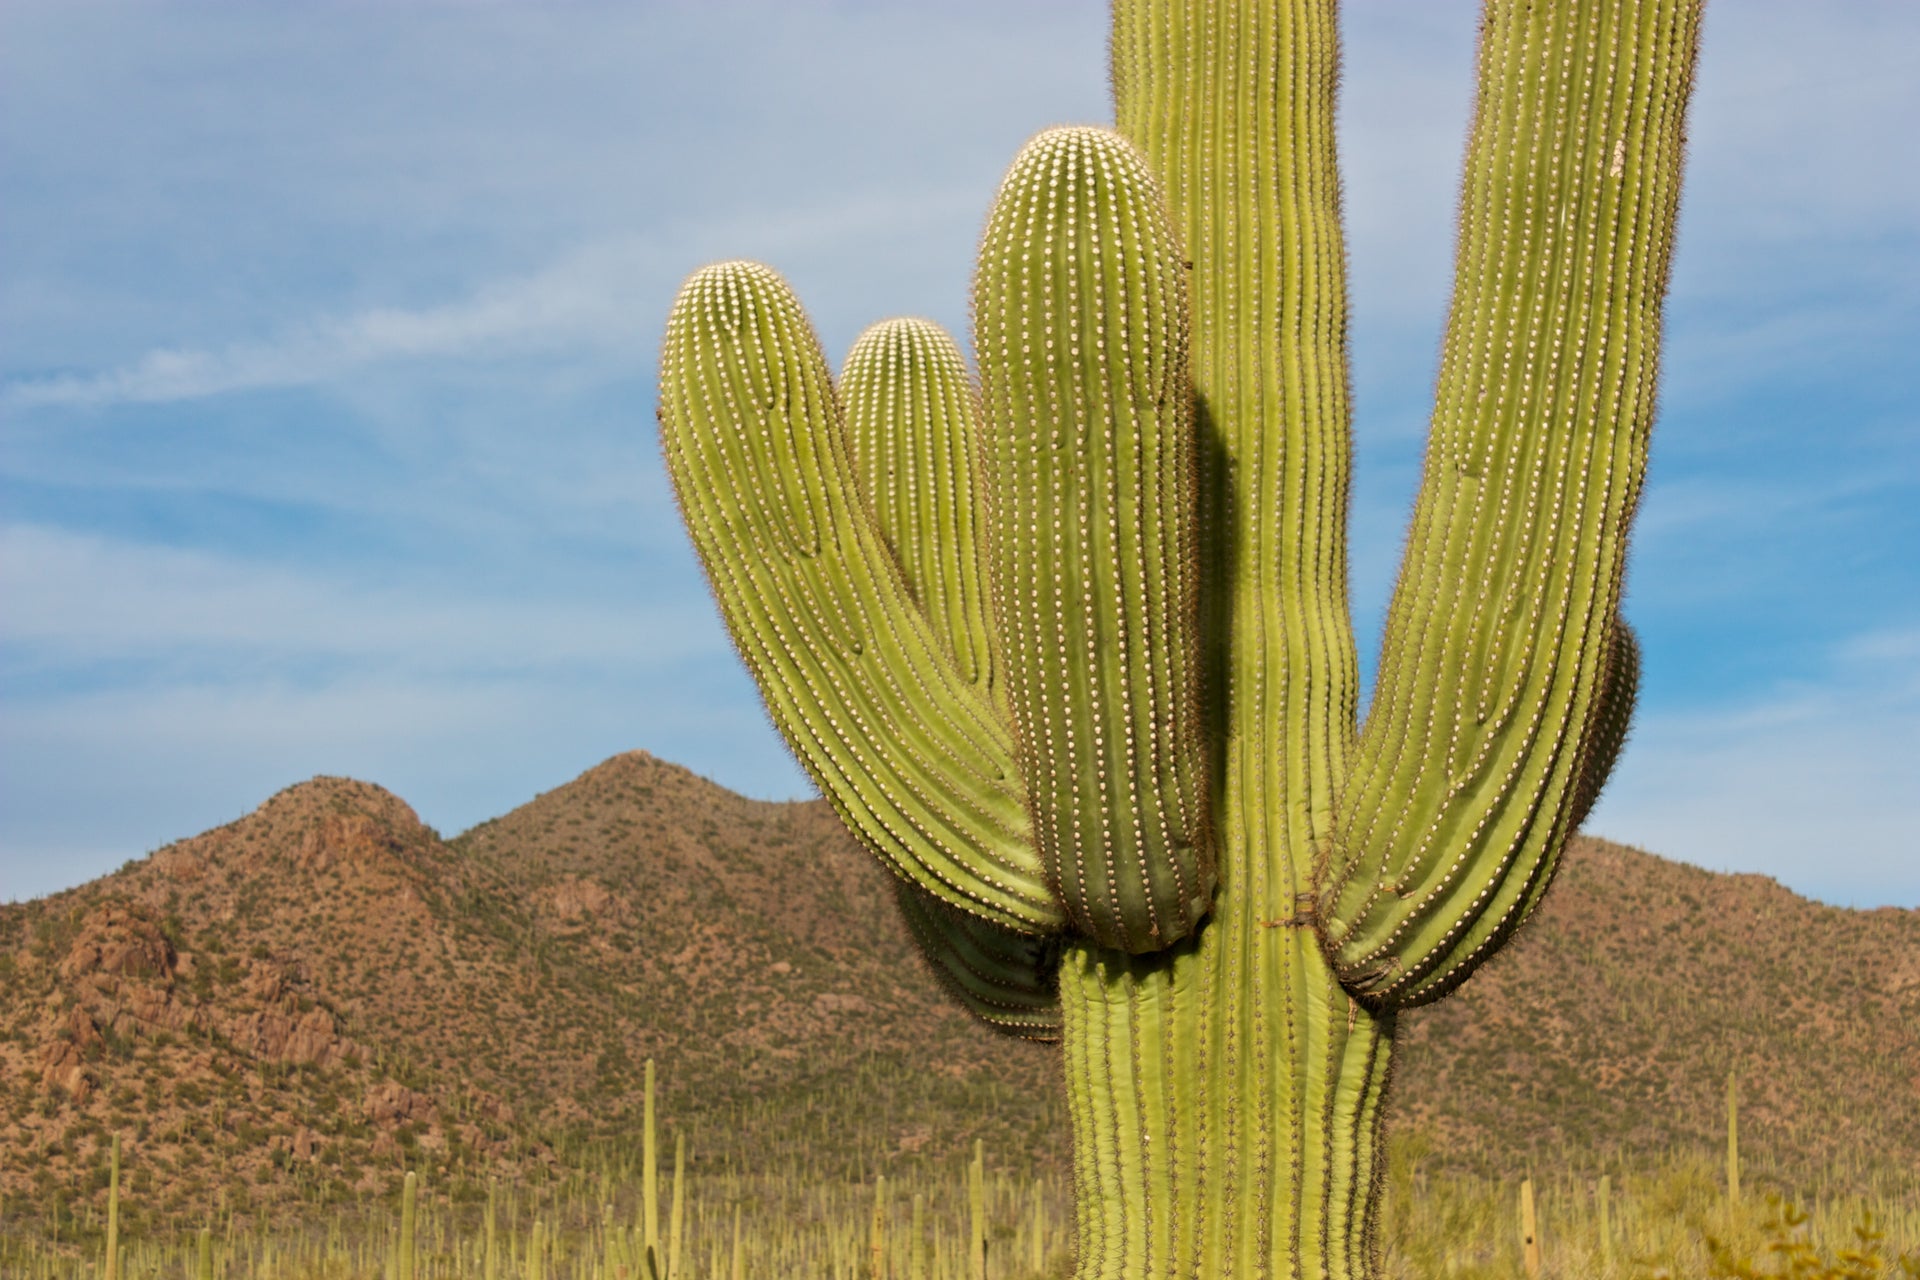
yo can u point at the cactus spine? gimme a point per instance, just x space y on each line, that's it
1071 654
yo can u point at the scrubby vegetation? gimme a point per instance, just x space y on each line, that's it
986 1217
280 1018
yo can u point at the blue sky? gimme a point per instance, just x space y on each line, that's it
327 342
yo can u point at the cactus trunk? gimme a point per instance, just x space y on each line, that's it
1228 1096
1226 1107
1093 695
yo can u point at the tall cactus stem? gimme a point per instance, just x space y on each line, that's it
1530 1250
409 1196
977 1213
877 1232
112 1265
677 1216
649 1175
1733 1142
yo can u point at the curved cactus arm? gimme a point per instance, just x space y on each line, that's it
913 429
1080 325
913 757
1607 728
1498 634
1008 980
913 426
1606 734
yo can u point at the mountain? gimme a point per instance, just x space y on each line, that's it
1612 1022
293 1006
290 1008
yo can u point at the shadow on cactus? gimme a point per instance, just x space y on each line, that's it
1068 647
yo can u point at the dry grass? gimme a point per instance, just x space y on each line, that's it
1664 1224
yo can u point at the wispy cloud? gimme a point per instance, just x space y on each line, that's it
1740 506
585 299
1811 782
542 309
77 599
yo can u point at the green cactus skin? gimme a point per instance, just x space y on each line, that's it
913 426
1074 658
1008 980
914 756
1080 318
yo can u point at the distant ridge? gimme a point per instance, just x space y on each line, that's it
294 1006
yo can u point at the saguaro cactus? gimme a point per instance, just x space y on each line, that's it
1070 653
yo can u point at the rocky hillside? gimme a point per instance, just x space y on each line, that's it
293 1007
298 1004
1609 1029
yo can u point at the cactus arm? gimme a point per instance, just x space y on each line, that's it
1606 733
1607 727
1499 632
911 756
913 426
1080 325
1008 980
